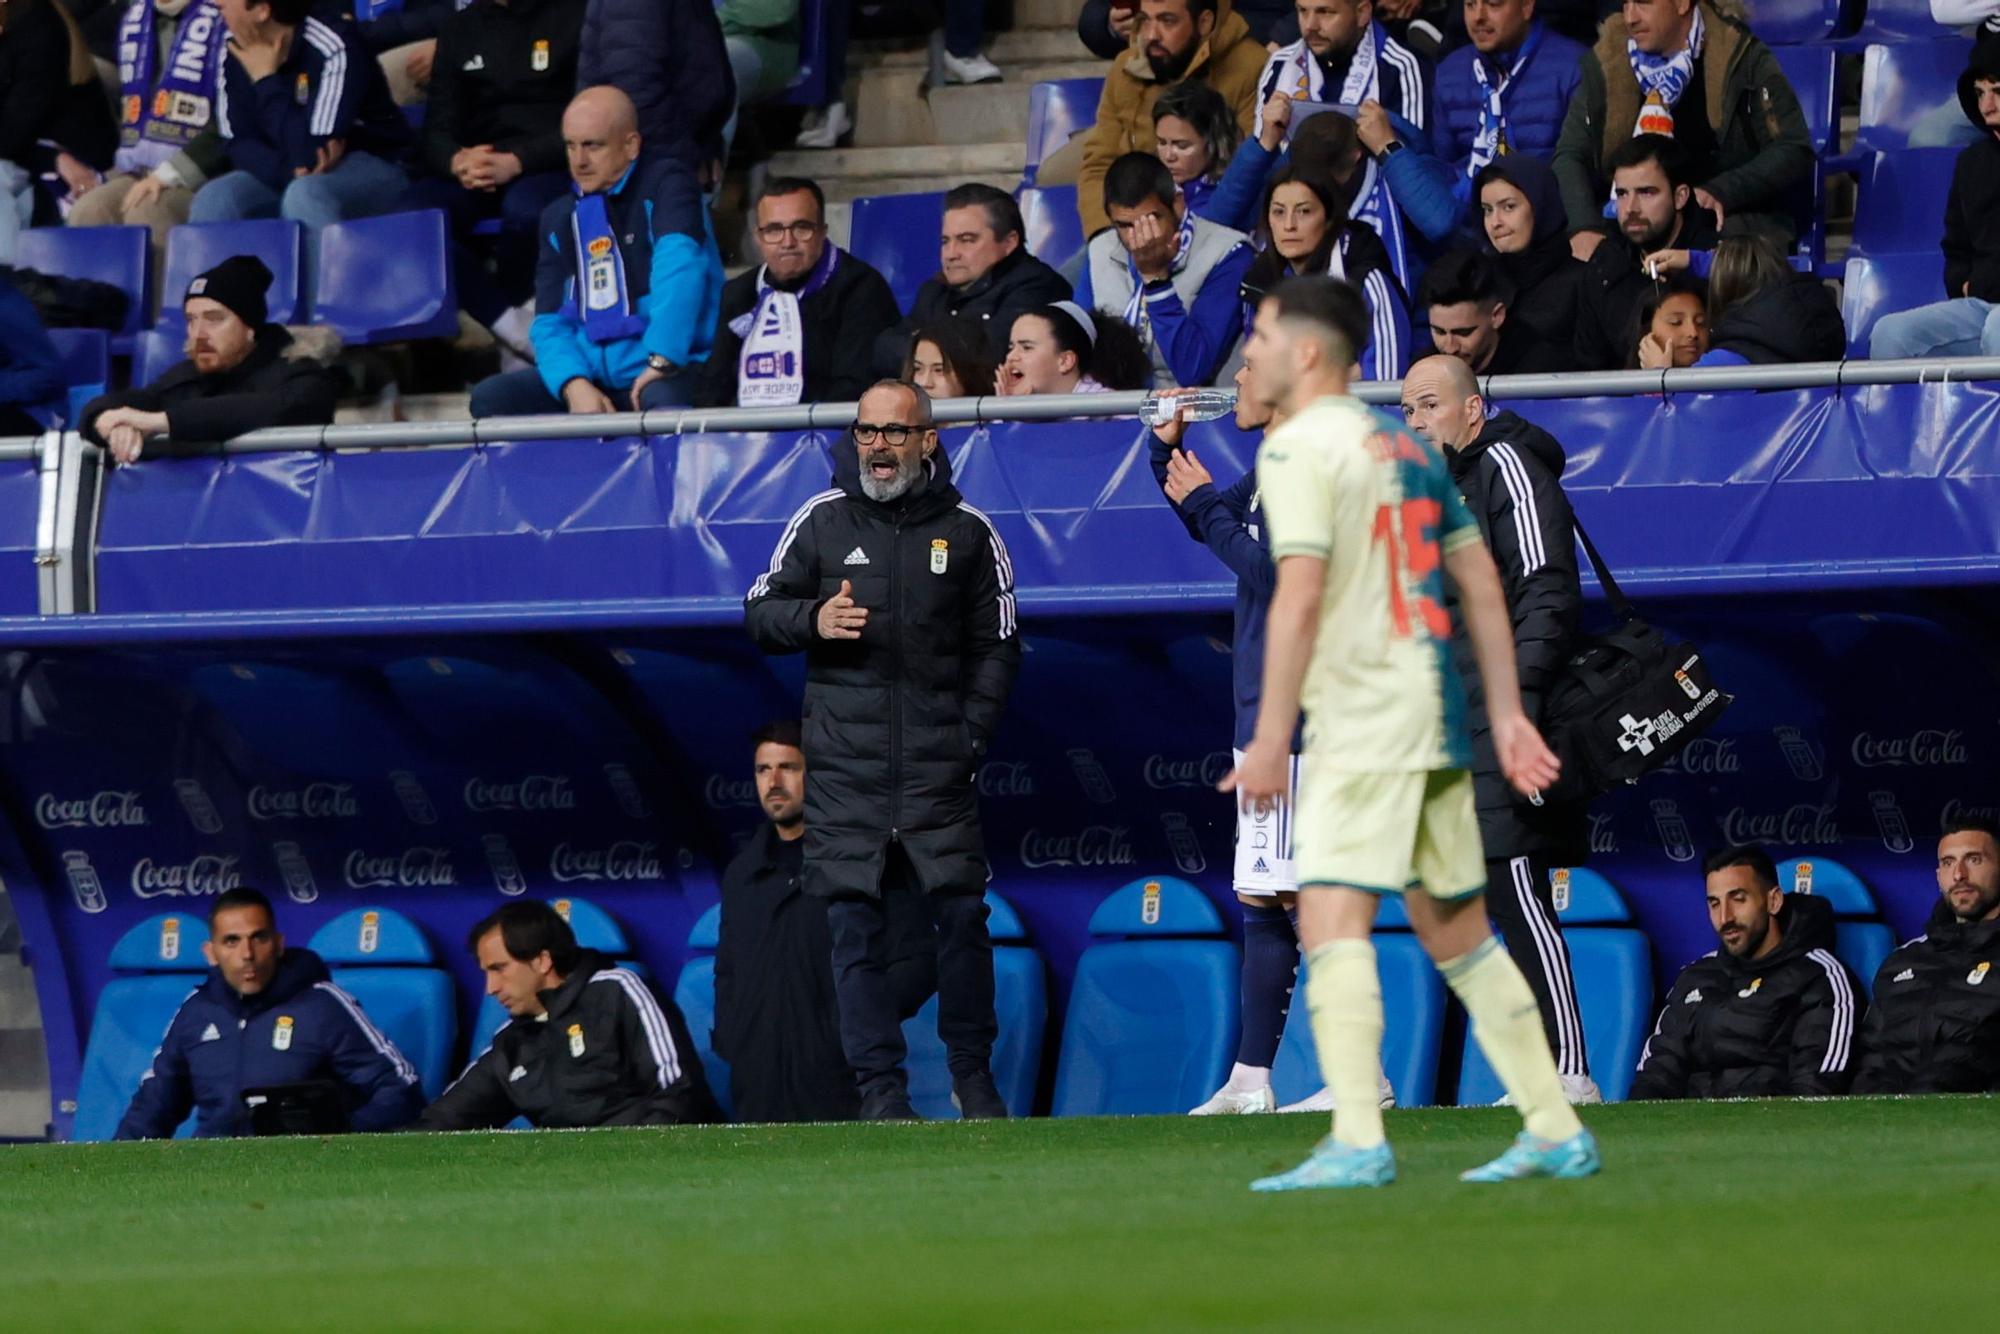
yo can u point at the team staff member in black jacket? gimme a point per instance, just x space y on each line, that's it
241 374
1510 472
901 596
1935 1025
587 1043
1770 1014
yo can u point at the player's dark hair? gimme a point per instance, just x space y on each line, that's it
241 897
1003 215
778 732
1644 148
1743 854
527 927
777 187
1463 276
1971 824
1330 304
1134 178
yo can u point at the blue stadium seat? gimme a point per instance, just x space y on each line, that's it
1413 1006
808 87
120 256
162 959
195 248
1901 83
1058 109
1153 1016
387 279
1897 21
1811 72
1054 231
1900 206
1879 285
1613 968
86 366
1020 999
1790 22
380 957
1861 941
694 993
898 234
154 353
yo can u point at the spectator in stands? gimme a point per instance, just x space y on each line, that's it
241 373
1468 306
586 1042
1967 321
777 1016
310 131
949 358
492 140
1681 69
985 274
1521 214
31 378
1942 126
1106 26
629 282
403 38
56 134
1344 56
1510 473
267 1014
1194 135
802 328
1305 219
1762 311
1772 1013
668 56
1935 1022
1504 95
1656 211
1174 277
169 59
1176 39
890 807
1065 349
828 124
762 38
1671 329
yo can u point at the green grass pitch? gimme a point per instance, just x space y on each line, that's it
1764 1217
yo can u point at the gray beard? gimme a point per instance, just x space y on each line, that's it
884 493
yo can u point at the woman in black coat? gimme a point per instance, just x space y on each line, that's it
1520 211
1763 312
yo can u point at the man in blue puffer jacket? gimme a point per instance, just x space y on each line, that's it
264 1016
668 56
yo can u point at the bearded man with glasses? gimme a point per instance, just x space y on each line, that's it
901 596
801 327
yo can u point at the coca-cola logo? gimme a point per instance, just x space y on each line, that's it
1603 838
536 792
1930 746
1093 845
1803 823
103 810
315 801
413 868
1006 778
1707 756
623 861
1956 810
1162 772
726 793
201 878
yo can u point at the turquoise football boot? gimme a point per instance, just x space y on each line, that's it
1333 1166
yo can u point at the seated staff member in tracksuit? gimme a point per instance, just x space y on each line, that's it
586 1044
265 1015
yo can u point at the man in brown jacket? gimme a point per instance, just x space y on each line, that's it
1175 40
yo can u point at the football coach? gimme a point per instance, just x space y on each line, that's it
901 596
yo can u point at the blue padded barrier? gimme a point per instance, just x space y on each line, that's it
1611 964
1054 232
381 958
1057 110
120 256
1861 940
1878 285
132 1016
898 234
1901 84
1152 1020
1413 1008
1900 206
387 279
196 247
1020 1000
694 993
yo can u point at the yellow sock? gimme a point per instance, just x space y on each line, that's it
1508 1027
1344 994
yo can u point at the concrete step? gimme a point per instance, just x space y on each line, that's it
1022 47
946 162
893 108
1047 13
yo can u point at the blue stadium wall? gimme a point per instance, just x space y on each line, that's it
533 677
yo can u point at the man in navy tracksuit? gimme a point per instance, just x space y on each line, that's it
264 1016
306 119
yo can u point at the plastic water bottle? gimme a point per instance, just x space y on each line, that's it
1196 405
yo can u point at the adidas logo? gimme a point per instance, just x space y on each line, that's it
1260 866
856 557
1693 997
518 1072
476 63
1907 975
210 1034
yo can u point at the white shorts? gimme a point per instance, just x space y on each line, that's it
1264 843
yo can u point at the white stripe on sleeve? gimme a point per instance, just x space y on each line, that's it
376 1037
659 1035
790 535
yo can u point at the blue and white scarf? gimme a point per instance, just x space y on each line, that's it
1374 206
1135 308
1662 79
602 299
157 117
1491 139
771 368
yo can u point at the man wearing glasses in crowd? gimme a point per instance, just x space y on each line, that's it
901 596
802 327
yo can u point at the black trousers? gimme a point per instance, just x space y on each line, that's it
1522 906
866 981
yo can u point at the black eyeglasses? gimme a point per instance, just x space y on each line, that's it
773 232
890 433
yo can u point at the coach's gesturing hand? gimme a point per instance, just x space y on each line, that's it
839 618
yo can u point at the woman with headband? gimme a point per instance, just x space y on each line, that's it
1065 349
